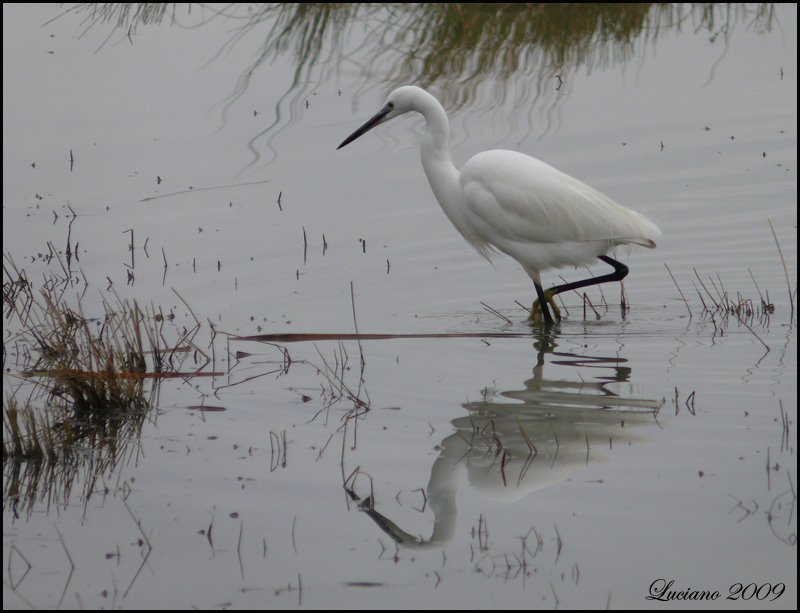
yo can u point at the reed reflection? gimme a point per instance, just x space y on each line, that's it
475 56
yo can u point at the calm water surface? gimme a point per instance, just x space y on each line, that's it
456 456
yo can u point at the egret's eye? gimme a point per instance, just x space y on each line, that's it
390 105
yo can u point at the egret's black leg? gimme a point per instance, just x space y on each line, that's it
548 320
620 272
545 296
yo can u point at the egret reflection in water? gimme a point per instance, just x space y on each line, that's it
513 443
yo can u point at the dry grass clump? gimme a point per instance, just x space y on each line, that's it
83 377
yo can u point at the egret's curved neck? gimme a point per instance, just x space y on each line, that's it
435 155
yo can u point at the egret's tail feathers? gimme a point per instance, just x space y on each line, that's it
645 242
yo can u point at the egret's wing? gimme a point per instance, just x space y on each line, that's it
514 197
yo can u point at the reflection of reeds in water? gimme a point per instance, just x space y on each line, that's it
476 55
89 382
458 45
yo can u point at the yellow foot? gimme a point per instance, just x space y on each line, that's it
536 309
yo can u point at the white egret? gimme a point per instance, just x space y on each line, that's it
510 202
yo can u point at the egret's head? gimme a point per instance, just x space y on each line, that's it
402 100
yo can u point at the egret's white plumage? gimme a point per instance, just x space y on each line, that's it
510 202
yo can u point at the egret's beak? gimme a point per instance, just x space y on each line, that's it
377 120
